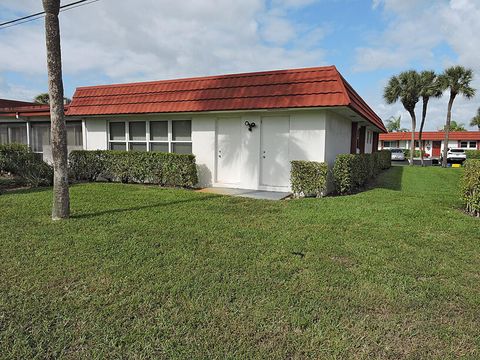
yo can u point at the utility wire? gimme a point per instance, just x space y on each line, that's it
41 14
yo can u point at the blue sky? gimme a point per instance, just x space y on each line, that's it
113 41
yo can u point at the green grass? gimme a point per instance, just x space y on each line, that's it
144 272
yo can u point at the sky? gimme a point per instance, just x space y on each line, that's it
115 41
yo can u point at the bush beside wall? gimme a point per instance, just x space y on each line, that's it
416 153
352 171
20 161
165 169
471 186
308 178
473 154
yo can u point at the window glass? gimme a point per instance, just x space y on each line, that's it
463 144
3 134
17 133
386 144
40 136
182 148
118 146
138 146
161 147
159 130
137 130
117 131
74 134
473 144
182 130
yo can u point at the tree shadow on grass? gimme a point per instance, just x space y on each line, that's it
142 207
390 179
24 190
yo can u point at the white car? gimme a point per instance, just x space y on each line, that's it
456 155
397 154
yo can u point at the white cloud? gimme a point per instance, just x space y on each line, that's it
152 39
415 29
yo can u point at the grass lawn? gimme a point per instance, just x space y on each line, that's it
145 272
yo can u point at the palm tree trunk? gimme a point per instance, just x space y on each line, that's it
422 124
447 129
412 144
61 198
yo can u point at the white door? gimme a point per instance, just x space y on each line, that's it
274 154
228 150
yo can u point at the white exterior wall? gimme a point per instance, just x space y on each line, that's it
96 134
314 135
338 137
306 141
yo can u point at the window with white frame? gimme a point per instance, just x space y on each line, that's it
152 135
389 144
468 144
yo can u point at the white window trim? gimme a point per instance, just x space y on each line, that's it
147 140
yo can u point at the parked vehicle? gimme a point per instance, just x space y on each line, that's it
397 155
456 155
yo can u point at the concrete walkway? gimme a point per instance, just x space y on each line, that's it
253 194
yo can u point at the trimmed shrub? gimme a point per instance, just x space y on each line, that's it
165 169
471 186
384 159
416 153
19 160
352 171
473 154
308 178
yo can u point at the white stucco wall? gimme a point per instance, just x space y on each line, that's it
96 136
338 136
314 135
306 141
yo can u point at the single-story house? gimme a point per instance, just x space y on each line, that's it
244 129
433 141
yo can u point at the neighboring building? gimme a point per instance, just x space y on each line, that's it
244 129
433 141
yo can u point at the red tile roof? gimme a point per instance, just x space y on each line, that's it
432 135
297 88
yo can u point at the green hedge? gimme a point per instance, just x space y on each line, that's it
352 171
164 169
473 154
308 178
20 161
471 186
416 153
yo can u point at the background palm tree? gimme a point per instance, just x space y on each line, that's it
430 88
44 98
454 126
61 196
476 120
457 79
405 87
393 124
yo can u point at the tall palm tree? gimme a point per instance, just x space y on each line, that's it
430 89
476 120
457 79
405 87
61 196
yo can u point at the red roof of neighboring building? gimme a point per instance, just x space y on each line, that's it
29 110
296 88
6 103
432 135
